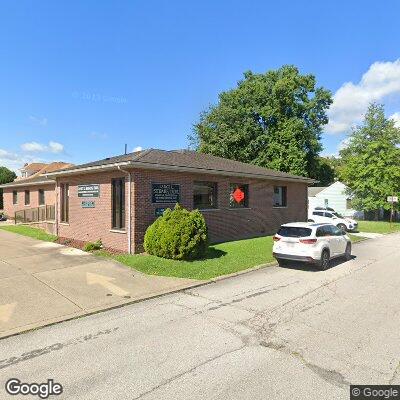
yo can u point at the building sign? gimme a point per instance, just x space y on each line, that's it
165 193
159 211
92 190
88 204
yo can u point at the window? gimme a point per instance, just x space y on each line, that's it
323 231
294 231
326 202
27 197
41 197
328 215
319 213
280 196
64 202
15 197
239 196
204 195
118 203
336 231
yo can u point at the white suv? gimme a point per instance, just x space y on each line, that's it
311 242
332 217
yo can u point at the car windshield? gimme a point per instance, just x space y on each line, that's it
294 231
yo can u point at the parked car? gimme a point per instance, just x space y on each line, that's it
314 243
3 217
321 214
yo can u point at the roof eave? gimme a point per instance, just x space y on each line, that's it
11 185
88 170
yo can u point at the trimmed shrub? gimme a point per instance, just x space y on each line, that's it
90 246
178 234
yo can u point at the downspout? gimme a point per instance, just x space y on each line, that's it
129 208
56 209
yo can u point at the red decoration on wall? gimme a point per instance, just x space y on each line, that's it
238 195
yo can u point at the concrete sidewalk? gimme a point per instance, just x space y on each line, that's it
42 283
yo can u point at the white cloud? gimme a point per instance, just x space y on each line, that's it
396 118
56 147
351 100
33 147
51 147
16 161
38 120
138 148
7 155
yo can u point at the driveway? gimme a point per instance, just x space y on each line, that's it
42 283
275 333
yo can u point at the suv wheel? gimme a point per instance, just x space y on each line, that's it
342 227
347 254
325 260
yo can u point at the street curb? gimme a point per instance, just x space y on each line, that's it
155 296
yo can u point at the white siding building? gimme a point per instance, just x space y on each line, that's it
333 196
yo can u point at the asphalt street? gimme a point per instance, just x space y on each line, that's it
275 333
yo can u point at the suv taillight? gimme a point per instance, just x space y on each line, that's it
276 238
308 241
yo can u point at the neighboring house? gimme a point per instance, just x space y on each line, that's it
333 196
117 198
30 169
33 189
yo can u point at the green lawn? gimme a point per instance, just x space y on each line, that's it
378 227
355 238
221 259
25 230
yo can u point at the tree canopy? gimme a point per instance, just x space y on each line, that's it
273 120
371 161
6 175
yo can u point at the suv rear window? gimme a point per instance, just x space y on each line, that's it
294 231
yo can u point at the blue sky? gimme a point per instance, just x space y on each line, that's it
79 79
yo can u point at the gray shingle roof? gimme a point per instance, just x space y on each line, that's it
28 181
314 190
185 160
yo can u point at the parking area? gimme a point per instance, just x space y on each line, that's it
42 283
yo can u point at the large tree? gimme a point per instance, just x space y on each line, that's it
6 176
273 120
371 161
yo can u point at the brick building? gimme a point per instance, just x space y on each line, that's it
32 190
117 198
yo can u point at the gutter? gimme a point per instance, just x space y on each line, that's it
129 208
177 168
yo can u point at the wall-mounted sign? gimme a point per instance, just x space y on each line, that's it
165 193
159 211
92 190
88 204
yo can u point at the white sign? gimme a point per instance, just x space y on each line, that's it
393 199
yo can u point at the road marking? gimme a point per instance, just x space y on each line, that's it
6 311
105 281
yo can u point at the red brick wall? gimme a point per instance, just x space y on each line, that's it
10 208
91 224
224 223
261 218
